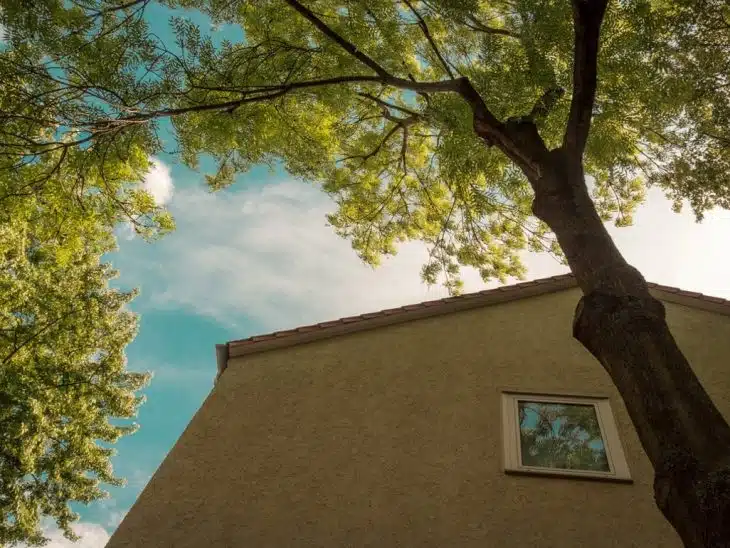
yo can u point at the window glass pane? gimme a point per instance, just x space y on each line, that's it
561 435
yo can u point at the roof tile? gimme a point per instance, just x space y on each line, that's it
689 293
665 288
370 315
284 333
329 324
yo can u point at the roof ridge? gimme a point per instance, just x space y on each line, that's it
506 292
690 294
518 287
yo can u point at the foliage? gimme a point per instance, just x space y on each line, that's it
402 164
62 376
63 68
62 338
63 331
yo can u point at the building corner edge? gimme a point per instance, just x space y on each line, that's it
221 358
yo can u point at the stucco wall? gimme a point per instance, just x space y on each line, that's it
392 437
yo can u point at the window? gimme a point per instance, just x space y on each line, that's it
566 436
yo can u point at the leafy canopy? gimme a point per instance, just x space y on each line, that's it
323 86
62 367
63 378
64 69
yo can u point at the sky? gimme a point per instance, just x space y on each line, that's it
258 257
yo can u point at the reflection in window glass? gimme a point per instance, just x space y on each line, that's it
561 435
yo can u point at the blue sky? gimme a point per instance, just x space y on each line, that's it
258 257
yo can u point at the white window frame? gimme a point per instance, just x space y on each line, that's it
618 467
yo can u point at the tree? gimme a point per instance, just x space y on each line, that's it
471 125
63 330
63 382
62 368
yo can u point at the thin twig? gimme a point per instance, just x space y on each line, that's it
427 33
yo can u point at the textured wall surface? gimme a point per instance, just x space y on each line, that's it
392 437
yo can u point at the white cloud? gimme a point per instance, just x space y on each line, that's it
125 231
267 254
92 536
158 182
111 514
115 518
138 479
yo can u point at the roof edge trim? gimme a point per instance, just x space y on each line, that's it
427 309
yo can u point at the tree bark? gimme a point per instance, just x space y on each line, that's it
684 435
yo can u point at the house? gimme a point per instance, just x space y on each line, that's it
473 421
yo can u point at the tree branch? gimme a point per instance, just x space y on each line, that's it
34 336
332 35
546 103
399 123
486 124
587 19
250 95
264 93
427 34
404 149
518 139
385 76
120 7
477 26
388 105
381 144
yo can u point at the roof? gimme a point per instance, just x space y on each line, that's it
391 316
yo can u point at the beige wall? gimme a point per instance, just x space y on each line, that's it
392 437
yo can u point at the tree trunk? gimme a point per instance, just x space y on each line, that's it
624 327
